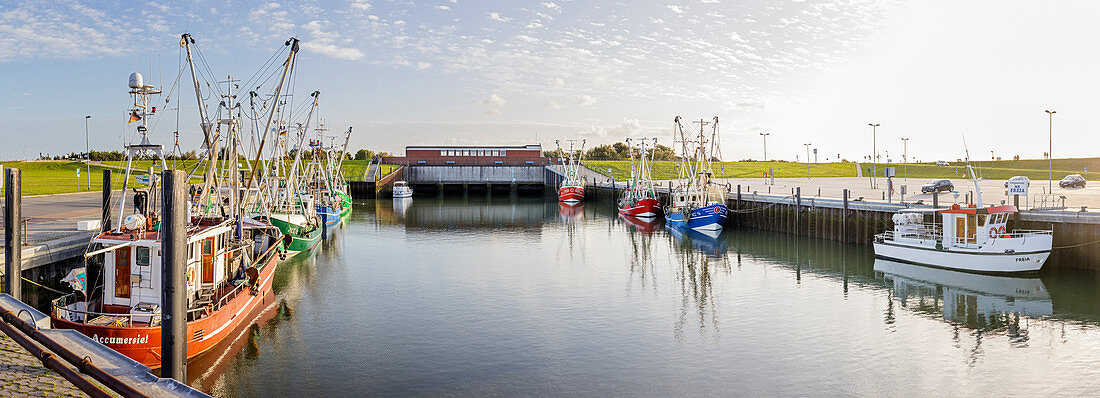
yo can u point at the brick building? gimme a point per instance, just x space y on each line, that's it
520 155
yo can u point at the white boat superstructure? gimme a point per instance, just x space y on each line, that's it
401 189
965 238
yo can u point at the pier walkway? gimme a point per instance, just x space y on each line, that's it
21 375
51 227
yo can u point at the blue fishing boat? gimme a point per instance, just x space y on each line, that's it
697 202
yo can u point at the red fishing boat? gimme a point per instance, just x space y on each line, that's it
230 258
124 312
639 198
572 184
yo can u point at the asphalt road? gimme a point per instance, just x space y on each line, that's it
992 191
61 207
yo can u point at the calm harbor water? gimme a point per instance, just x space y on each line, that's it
525 297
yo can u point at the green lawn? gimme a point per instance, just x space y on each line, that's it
51 177
992 170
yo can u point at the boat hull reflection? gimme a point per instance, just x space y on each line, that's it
966 295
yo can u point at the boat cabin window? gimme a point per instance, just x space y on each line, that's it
981 219
142 254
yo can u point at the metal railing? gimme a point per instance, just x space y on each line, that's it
1049 201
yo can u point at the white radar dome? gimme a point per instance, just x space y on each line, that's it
136 80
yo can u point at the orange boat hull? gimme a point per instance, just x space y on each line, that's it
142 344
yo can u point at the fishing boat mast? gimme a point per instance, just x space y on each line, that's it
140 112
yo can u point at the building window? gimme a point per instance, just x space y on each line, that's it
142 256
442 153
465 153
503 152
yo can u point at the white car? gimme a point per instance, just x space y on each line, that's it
942 163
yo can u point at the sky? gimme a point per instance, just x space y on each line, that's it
514 72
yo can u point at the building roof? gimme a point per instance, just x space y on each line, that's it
535 147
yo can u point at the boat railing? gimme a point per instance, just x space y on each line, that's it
225 298
921 234
61 310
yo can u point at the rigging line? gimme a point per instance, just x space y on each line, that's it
267 65
202 58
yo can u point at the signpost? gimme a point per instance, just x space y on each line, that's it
78 179
1017 188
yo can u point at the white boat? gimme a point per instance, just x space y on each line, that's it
966 238
401 189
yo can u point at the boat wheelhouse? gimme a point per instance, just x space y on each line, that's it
401 189
227 279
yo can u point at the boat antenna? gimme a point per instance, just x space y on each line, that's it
973 177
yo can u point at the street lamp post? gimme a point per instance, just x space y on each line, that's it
807 160
874 155
905 157
765 135
87 152
1050 151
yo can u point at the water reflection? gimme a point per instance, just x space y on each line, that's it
401 207
526 297
699 257
979 302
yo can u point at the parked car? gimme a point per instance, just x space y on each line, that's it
942 163
1072 180
937 186
1023 179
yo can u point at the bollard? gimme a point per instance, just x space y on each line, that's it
173 296
844 219
106 203
13 249
797 209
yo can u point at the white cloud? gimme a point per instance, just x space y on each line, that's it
445 8
361 5
558 81
494 112
494 100
551 6
333 51
676 9
496 17
553 105
586 100
421 65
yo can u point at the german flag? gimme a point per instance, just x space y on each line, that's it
134 116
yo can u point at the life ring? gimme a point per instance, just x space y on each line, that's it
992 232
190 275
1001 229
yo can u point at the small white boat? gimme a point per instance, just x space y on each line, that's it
966 238
401 189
